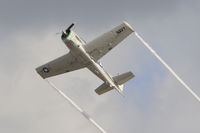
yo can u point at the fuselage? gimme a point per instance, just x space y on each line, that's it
76 47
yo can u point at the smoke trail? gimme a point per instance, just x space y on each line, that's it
168 67
76 107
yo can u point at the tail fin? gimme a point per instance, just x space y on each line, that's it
119 80
121 87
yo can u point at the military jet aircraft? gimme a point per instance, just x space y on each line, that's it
87 55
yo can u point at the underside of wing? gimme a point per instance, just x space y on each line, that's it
58 66
104 43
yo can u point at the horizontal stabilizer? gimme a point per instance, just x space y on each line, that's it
123 78
119 81
103 89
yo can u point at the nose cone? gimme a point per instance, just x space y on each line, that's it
65 35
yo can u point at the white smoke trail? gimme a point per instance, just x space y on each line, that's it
76 107
168 67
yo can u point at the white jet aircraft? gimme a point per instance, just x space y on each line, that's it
83 55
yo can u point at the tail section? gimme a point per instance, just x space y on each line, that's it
119 81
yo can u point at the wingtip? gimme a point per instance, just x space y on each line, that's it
39 72
129 26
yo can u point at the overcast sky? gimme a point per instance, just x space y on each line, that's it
154 101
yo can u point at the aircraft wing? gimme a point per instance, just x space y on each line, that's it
63 64
104 43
